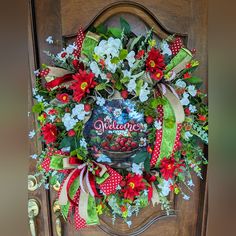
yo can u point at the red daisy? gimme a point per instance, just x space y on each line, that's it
49 132
63 97
134 185
82 85
155 61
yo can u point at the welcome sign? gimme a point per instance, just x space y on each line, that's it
115 130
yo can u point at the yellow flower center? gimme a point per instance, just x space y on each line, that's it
64 98
158 75
169 166
83 85
132 185
152 63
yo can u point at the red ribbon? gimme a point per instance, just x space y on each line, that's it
58 81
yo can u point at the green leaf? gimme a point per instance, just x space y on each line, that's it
140 157
100 86
116 32
135 41
38 107
66 142
139 86
115 60
118 85
125 25
194 80
53 180
154 103
147 165
124 80
123 54
101 29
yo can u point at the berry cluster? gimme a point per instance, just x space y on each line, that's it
119 143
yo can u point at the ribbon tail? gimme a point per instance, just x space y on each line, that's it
155 197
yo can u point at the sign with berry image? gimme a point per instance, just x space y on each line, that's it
115 132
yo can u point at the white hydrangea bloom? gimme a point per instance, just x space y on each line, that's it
192 91
165 48
32 134
83 143
79 112
165 187
137 169
34 156
70 48
185 101
187 135
180 83
157 124
95 68
117 112
126 73
39 98
68 121
192 108
100 101
49 40
143 96
142 142
131 85
131 58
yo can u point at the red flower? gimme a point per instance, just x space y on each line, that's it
87 107
188 65
187 76
134 185
52 112
149 120
155 61
71 133
157 75
140 54
82 85
149 149
63 97
168 167
201 117
49 132
187 111
124 94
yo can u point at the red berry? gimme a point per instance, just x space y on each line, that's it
123 183
75 63
87 107
129 149
124 94
104 144
123 149
149 119
109 136
134 145
113 148
122 143
71 133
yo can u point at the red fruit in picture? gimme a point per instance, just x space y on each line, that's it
122 143
109 136
106 147
87 107
124 94
104 144
134 145
129 149
149 120
71 133
113 148
125 140
123 149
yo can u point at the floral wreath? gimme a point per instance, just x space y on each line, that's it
113 95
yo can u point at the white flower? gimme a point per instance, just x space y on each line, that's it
192 90
70 48
143 142
157 124
165 48
186 197
143 93
46 186
39 98
129 223
131 85
68 121
185 101
49 40
65 149
190 183
79 111
117 112
126 73
137 168
134 114
180 83
145 192
192 108
100 101
187 135
103 158
118 187
108 119
95 69
36 72
63 55
144 128
31 134
99 132
34 156
165 187
83 143
130 58
52 118
34 91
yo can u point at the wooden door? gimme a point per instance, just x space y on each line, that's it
61 19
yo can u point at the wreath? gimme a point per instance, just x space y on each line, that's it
120 116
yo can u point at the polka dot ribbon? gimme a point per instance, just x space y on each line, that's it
79 41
